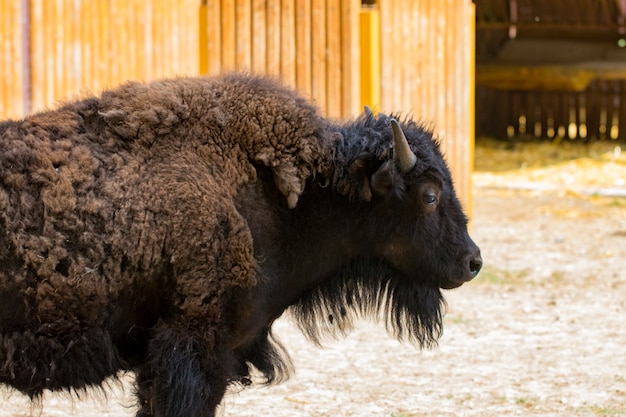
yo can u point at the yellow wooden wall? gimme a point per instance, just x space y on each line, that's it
11 60
312 44
88 45
427 55
424 66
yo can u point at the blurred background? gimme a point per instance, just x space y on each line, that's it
528 98
505 69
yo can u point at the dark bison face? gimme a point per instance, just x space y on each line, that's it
428 241
405 235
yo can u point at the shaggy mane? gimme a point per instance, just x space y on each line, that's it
367 289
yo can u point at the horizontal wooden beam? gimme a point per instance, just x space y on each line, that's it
577 27
575 77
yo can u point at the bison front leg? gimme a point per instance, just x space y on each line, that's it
190 358
209 251
180 378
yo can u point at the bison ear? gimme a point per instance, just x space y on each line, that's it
385 179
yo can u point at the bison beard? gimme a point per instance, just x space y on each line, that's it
410 312
162 228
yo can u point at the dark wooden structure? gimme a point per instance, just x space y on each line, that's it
551 69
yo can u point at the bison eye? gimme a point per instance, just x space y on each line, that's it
430 197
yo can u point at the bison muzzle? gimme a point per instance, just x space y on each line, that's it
162 228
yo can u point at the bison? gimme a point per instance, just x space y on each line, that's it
161 228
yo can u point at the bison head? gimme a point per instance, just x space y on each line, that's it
405 234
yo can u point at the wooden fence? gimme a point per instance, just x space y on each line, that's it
11 60
596 113
52 50
428 70
312 44
57 49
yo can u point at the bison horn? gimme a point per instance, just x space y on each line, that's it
404 158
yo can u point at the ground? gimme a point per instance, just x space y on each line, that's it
541 331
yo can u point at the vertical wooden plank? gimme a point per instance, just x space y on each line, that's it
203 40
621 130
11 60
161 56
399 53
259 36
20 83
243 35
389 48
149 45
47 63
88 44
5 60
273 36
214 36
132 27
461 116
424 88
189 41
59 32
86 33
37 54
350 59
117 52
49 47
303 45
102 59
169 37
318 51
469 35
593 111
141 25
439 66
162 60
70 86
288 42
445 121
370 57
333 62
406 44
82 43
229 41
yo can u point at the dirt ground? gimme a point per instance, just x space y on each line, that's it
541 331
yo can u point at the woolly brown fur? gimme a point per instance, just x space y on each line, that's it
162 228
111 204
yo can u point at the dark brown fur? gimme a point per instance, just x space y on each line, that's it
161 228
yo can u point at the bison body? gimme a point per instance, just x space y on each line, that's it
161 228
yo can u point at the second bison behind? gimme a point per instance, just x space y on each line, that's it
161 228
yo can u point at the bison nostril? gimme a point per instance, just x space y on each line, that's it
475 264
